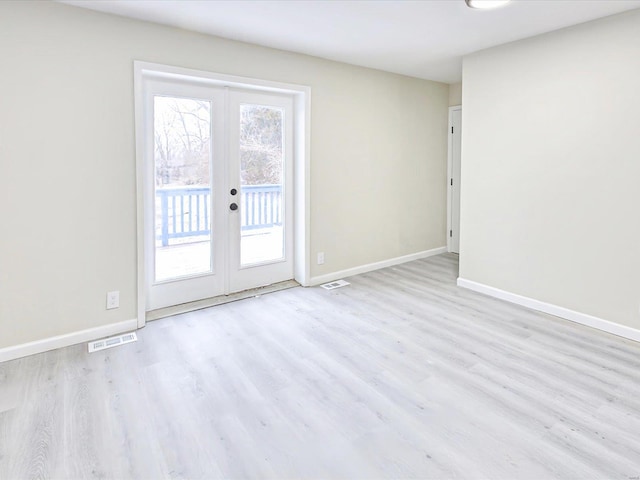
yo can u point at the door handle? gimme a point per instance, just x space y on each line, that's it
233 206
233 191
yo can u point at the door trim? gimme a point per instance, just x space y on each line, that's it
450 172
302 134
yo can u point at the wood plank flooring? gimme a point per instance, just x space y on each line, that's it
399 375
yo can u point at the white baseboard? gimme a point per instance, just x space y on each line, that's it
572 315
330 277
59 341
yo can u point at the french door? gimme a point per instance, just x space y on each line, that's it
218 190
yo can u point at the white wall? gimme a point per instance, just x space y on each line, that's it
455 94
551 168
67 159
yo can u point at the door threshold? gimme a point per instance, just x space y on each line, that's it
219 300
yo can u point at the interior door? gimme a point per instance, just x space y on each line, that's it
218 199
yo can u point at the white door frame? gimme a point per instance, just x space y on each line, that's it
302 135
450 173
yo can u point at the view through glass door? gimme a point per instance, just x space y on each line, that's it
261 145
218 197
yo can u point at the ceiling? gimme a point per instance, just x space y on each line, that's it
424 39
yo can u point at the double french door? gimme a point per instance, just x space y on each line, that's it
218 190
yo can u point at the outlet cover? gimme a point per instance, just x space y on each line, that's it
113 300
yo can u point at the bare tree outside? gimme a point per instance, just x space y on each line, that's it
182 141
260 145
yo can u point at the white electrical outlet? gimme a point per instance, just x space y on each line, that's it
320 258
113 300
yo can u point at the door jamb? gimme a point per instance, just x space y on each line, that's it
450 172
302 159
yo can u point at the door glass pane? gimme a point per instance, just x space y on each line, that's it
182 131
261 176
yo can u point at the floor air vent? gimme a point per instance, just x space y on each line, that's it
112 341
336 284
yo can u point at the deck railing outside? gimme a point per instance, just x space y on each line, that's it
183 212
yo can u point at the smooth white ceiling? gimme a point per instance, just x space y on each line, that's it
424 39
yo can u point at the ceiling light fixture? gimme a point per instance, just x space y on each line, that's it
486 4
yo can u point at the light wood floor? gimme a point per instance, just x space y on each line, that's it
399 375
